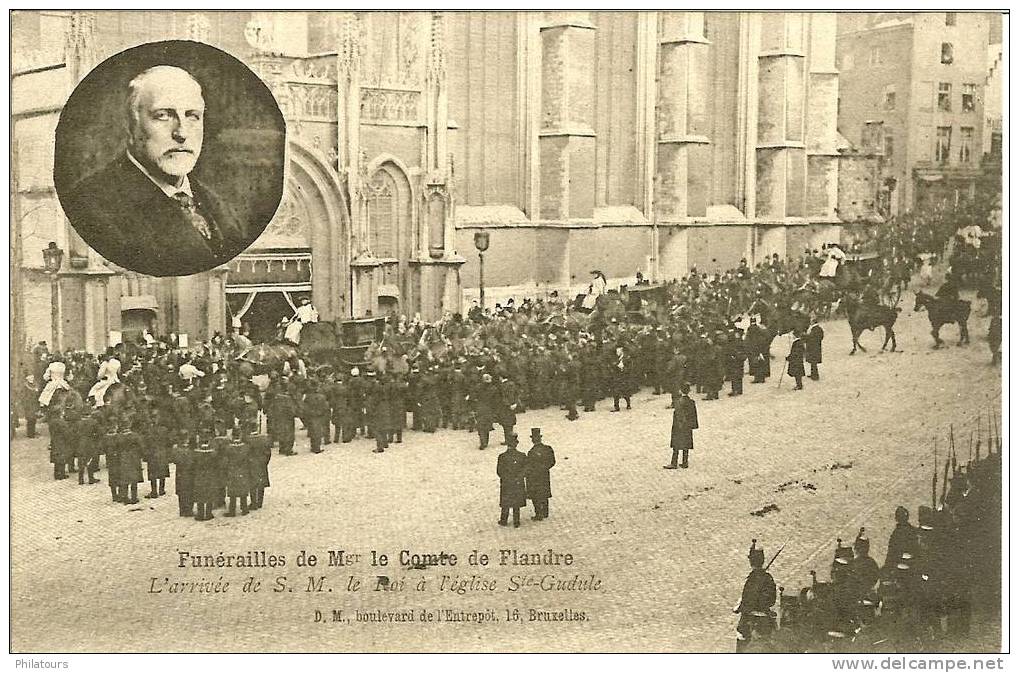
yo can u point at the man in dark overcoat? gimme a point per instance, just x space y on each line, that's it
512 470
795 359
815 335
238 476
540 459
315 413
684 422
282 410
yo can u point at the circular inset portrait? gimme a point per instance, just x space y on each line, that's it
169 158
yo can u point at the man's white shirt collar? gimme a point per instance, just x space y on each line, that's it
165 187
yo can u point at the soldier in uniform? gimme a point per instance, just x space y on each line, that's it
259 455
758 596
757 344
684 422
512 470
130 461
238 483
379 412
484 399
457 391
903 540
795 360
865 577
540 459
111 447
88 441
812 353
158 460
398 403
184 475
427 399
207 488
282 410
315 412
735 357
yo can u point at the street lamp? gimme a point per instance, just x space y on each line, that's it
481 243
53 258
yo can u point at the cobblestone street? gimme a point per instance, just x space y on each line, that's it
668 546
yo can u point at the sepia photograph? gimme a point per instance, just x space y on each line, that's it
543 331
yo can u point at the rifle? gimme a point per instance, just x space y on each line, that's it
774 557
934 479
944 483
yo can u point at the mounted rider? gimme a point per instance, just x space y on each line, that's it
109 375
306 313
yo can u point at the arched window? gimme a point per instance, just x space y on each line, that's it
382 216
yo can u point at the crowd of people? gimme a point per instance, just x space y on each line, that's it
469 373
925 591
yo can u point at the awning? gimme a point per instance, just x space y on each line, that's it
144 302
389 291
931 178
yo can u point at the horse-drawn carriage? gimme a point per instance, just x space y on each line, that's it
340 343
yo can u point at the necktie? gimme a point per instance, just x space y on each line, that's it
187 207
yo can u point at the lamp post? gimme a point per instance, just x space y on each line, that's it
481 243
53 258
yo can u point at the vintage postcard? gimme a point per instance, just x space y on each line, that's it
495 331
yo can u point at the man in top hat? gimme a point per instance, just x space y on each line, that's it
540 459
684 422
484 398
512 470
795 359
758 596
812 352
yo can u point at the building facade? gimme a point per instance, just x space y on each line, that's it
912 88
627 142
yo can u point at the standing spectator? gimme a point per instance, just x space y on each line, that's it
540 459
684 422
795 359
812 352
511 468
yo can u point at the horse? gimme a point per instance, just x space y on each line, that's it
868 317
942 312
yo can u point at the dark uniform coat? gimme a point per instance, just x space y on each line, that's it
813 340
512 469
183 476
238 477
684 422
540 459
158 458
130 457
259 454
207 487
795 358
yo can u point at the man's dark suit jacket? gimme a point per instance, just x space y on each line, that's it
132 223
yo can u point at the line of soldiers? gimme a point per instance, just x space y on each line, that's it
182 427
932 576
